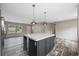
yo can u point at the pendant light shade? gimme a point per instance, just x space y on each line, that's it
33 22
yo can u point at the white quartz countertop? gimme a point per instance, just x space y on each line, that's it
39 36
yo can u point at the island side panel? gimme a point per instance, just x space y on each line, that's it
45 46
48 45
52 42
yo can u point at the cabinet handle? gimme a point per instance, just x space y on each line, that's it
35 43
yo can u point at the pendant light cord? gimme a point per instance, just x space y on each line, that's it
45 15
33 12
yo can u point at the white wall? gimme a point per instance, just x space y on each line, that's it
41 28
78 25
67 30
37 28
27 29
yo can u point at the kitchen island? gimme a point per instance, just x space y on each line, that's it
40 44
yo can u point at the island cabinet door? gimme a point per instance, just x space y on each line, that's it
52 42
41 48
48 45
32 48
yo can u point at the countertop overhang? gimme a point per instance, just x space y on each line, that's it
39 36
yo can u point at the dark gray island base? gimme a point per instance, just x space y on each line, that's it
40 47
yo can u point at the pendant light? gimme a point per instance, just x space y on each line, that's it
33 22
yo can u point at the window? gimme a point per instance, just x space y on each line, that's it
13 28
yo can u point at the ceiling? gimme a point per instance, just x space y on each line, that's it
23 12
